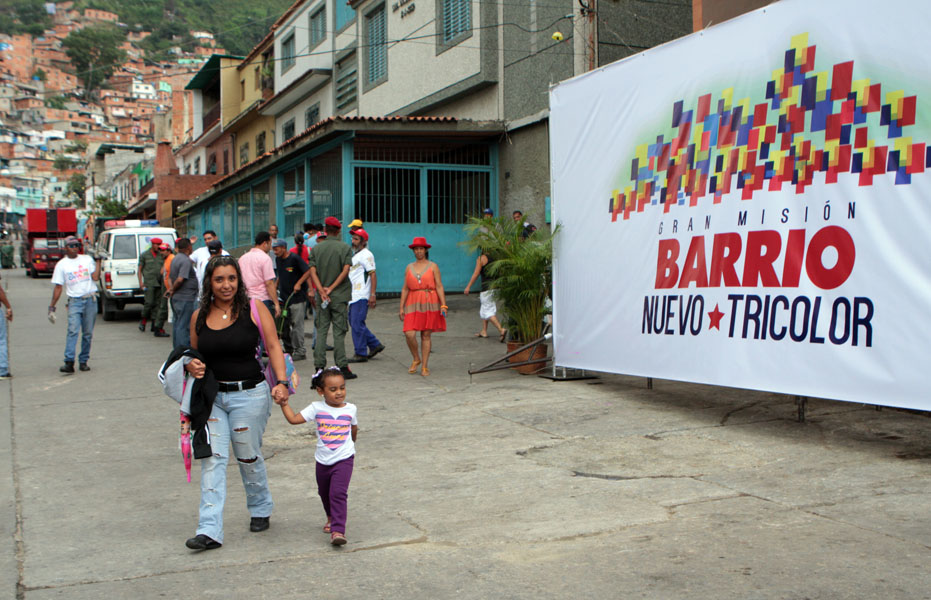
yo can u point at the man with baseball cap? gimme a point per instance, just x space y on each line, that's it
213 248
329 270
363 281
202 255
355 224
77 274
150 280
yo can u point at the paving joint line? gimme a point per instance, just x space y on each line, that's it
531 427
18 540
291 557
812 513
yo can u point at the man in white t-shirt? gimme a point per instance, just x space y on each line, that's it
77 274
363 281
202 255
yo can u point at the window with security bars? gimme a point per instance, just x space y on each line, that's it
387 195
293 205
287 53
287 130
346 84
260 144
244 154
311 116
377 41
325 186
260 204
293 185
457 19
243 219
226 219
444 152
454 196
318 26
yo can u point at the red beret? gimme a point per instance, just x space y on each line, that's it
332 222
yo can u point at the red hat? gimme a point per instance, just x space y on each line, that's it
361 233
321 235
156 241
332 222
419 242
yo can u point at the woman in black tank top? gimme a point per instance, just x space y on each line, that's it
224 332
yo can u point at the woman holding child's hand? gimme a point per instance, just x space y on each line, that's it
225 330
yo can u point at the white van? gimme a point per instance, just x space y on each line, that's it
120 245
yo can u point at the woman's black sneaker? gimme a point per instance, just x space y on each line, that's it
259 524
202 542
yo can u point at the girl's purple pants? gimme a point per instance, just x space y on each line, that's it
333 487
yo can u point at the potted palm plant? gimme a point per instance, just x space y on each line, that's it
520 269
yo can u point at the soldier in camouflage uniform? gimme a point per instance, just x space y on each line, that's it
156 305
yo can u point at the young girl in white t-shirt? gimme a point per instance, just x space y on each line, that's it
337 428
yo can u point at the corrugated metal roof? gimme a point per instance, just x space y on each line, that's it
207 72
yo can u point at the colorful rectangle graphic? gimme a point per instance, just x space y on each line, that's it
719 145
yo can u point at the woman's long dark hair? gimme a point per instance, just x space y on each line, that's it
240 299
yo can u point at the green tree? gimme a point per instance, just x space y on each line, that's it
63 163
24 16
77 184
40 74
55 102
104 206
95 53
79 147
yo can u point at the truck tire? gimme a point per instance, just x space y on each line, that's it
109 310
33 273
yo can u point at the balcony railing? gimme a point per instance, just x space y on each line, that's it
211 116
146 188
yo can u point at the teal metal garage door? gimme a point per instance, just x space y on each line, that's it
399 194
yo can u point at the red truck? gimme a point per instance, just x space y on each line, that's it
46 229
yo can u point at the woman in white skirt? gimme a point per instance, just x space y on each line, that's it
487 311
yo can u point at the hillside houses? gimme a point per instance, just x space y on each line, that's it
109 141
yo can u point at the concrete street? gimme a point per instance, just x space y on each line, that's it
503 486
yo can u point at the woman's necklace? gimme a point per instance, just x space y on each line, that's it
226 313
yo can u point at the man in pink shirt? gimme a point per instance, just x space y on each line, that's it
258 273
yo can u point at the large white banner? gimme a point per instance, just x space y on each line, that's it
750 206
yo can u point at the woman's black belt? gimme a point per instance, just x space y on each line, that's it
235 386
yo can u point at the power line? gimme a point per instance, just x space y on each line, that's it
409 39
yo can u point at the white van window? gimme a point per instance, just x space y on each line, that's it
145 240
124 246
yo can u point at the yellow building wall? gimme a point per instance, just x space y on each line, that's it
249 128
230 93
253 82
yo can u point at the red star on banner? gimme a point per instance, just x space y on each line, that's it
715 317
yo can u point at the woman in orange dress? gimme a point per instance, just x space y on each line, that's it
423 304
